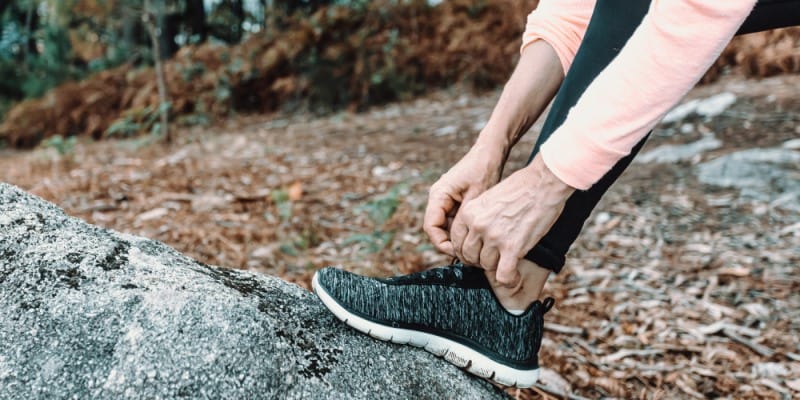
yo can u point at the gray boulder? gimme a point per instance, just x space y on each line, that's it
768 175
87 313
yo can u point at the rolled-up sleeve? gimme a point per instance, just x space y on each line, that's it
560 23
669 52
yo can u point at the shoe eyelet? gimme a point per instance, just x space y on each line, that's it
547 304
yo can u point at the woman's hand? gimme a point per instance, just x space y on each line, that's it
498 227
476 172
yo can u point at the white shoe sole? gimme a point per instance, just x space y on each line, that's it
454 352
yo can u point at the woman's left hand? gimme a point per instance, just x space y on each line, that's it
496 229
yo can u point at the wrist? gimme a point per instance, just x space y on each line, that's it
494 144
538 171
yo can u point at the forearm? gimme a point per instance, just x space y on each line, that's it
533 84
668 53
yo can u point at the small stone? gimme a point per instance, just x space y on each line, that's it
770 370
445 130
709 107
264 251
715 105
793 144
602 218
155 213
209 202
380 170
766 175
680 112
671 153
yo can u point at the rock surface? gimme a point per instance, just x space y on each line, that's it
670 153
766 174
90 313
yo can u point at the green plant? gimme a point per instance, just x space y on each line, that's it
61 145
196 119
372 242
379 211
135 121
191 70
383 208
282 203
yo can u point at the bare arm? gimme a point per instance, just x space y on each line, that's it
534 82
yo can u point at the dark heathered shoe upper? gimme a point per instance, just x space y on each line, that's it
455 302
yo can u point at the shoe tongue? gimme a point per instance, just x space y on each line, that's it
458 275
470 277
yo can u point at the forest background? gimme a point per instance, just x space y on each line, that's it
282 136
254 56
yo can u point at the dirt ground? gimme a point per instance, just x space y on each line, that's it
674 290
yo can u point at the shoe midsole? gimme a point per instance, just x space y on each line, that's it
491 356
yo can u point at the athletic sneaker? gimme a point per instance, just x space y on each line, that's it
450 311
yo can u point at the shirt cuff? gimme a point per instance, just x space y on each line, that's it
576 160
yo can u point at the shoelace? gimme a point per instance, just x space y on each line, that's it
547 303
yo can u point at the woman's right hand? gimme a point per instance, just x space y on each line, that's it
476 172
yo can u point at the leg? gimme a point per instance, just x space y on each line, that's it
771 14
605 36
612 23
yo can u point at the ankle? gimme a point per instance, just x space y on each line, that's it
528 290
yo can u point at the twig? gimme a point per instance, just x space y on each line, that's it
555 392
629 352
154 29
793 356
757 348
686 389
569 330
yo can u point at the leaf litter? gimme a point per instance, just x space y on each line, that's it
675 289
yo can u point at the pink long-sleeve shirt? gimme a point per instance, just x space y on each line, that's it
669 52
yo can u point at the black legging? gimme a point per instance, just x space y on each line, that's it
613 23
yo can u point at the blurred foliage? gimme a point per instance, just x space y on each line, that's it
61 145
46 42
224 57
379 210
318 55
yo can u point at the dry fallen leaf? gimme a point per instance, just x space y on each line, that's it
155 213
666 319
794 384
296 191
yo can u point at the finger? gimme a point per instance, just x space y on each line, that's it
435 222
507 274
489 257
458 232
471 250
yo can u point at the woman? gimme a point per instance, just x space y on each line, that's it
615 68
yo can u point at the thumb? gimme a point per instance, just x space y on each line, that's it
472 192
507 274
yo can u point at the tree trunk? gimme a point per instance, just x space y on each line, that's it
3 5
151 21
31 23
167 26
237 7
195 17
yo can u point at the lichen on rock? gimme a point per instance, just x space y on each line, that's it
91 313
